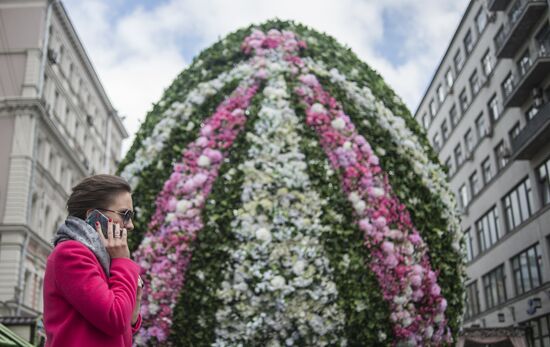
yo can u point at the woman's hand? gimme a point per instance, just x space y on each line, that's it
137 307
116 242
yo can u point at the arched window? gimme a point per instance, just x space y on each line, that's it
45 221
33 213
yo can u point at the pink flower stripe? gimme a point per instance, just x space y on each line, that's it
165 253
398 254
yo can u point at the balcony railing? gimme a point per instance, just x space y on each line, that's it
521 19
533 136
528 76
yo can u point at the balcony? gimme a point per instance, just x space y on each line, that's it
533 136
498 5
521 19
529 77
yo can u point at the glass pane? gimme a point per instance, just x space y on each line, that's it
533 267
518 282
524 206
515 209
525 272
544 327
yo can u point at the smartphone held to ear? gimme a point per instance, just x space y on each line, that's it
96 216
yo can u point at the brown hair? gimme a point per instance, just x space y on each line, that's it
96 191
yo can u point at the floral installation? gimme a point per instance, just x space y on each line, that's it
279 271
283 222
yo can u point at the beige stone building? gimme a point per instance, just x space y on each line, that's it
57 126
487 113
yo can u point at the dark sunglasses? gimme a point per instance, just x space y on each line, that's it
127 215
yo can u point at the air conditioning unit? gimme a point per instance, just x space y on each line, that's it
52 56
492 17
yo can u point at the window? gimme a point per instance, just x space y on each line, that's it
459 63
494 110
524 63
508 85
500 36
501 155
463 98
481 127
526 270
487 170
464 196
458 155
488 232
495 287
70 74
55 104
518 204
472 300
475 183
515 11
444 130
468 42
449 78
469 140
543 173
61 55
436 141
531 112
433 110
540 331
514 132
481 20
440 94
449 165
426 120
455 117
469 245
487 63
475 84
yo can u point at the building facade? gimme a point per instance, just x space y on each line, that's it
487 114
57 126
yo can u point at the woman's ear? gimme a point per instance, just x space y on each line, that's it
88 213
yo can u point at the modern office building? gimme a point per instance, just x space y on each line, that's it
57 126
487 113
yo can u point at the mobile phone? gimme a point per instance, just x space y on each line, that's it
96 216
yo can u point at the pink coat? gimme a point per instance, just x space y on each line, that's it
82 307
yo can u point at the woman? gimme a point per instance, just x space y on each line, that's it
91 290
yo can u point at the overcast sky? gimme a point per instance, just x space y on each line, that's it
139 46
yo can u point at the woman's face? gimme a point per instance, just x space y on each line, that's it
122 202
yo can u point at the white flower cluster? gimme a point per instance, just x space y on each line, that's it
408 143
179 112
279 282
